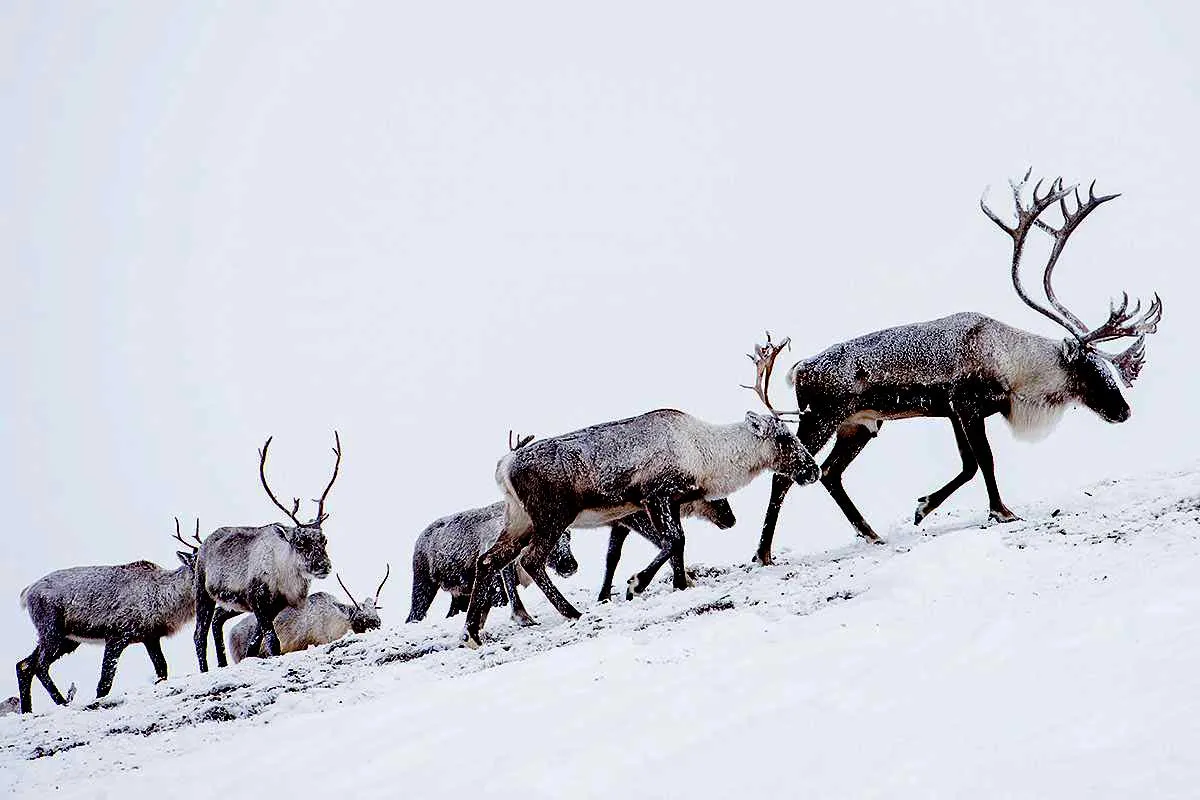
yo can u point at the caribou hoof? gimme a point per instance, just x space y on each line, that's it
871 536
1003 515
471 641
631 588
524 620
922 510
761 560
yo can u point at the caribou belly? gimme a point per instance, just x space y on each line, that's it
599 517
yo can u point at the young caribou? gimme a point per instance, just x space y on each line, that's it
654 463
117 605
444 557
445 553
319 620
967 367
261 570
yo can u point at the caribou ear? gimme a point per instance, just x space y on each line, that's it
188 559
1071 348
760 426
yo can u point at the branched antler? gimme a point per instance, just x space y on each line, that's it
1027 216
1125 321
764 356
1122 321
293 514
337 451
1071 220
178 536
262 474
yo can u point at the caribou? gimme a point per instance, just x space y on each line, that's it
444 557
967 367
117 605
653 463
261 570
319 620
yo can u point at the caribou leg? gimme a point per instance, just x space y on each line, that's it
204 614
458 604
850 442
219 618
49 650
25 671
519 614
534 562
977 437
927 504
270 639
108 665
813 437
424 590
616 541
501 554
779 489
42 669
154 650
664 518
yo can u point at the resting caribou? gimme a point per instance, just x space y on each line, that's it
655 463
967 367
319 620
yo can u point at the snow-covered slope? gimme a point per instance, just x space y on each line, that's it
1056 657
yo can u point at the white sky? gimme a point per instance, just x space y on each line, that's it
424 226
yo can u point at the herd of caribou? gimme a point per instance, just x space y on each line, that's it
642 474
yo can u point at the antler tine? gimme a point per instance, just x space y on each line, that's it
1128 363
347 591
197 533
1124 322
1028 217
1071 221
337 451
764 356
262 474
379 591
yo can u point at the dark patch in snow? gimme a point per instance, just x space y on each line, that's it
45 752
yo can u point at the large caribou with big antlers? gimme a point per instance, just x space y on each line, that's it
966 367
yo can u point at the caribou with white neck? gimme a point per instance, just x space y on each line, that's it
654 463
967 367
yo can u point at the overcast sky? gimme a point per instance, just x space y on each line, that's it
424 225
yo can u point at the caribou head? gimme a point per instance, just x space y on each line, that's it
188 557
306 538
793 459
365 616
1089 378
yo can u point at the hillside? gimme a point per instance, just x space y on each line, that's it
1047 658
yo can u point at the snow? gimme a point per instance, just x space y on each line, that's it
1046 658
